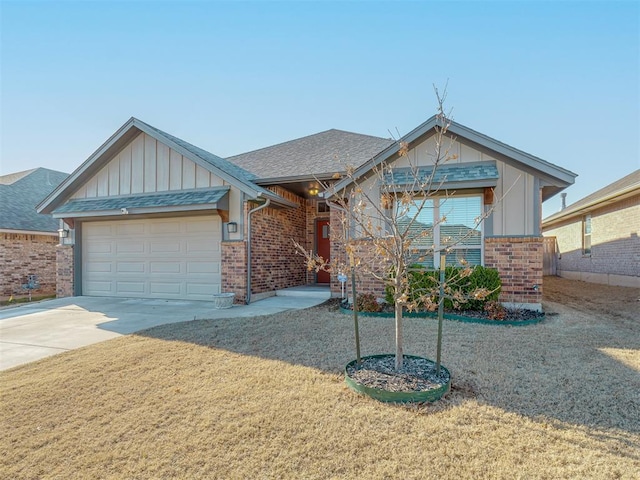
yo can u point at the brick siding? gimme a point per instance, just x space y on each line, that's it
615 246
25 254
274 261
64 271
519 263
234 269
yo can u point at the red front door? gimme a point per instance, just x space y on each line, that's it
323 247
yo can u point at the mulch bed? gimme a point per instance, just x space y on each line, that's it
512 314
416 375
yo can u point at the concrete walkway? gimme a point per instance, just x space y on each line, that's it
33 331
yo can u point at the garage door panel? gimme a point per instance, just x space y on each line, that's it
160 289
200 291
165 267
129 228
203 267
164 247
100 288
100 247
130 288
152 258
164 228
127 246
130 267
99 267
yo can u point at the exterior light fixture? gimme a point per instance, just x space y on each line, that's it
232 227
313 191
63 233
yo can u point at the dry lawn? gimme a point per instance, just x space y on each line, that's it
265 398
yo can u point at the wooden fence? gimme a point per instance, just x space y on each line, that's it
550 256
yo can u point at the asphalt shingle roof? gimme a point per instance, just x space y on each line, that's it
461 172
173 199
226 166
626 182
20 193
323 153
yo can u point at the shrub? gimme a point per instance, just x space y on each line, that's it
423 282
367 302
495 310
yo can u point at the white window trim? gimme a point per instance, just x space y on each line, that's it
436 228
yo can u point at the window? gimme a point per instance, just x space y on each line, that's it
322 207
457 230
586 235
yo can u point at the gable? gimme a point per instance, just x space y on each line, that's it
550 178
146 165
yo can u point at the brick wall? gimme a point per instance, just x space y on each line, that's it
24 254
234 269
615 245
64 271
519 263
365 282
274 262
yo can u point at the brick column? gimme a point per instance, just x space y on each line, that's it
234 269
519 263
64 271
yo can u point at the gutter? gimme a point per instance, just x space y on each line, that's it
264 205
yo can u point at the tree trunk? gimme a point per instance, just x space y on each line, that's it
399 354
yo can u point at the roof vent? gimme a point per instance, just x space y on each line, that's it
564 201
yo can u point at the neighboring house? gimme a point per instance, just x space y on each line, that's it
597 236
153 216
29 240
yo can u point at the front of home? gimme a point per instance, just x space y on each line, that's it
149 215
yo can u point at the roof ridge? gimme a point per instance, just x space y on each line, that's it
304 137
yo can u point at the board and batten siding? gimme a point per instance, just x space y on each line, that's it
515 213
147 165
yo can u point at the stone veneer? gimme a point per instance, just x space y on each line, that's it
26 254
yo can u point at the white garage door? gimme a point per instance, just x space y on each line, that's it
173 258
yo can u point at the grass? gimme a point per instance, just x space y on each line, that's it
24 299
265 398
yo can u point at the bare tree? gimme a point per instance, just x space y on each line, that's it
383 234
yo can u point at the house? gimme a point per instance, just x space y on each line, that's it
597 236
29 240
150 215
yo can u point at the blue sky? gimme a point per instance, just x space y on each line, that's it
559 80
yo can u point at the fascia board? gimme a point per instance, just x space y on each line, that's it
570 211
59 194
565 177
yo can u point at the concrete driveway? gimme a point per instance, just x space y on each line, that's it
32 331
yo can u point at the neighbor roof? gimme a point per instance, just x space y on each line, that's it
321 155
20 193
626 186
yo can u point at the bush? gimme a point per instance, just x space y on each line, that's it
422 281
367 302
495 310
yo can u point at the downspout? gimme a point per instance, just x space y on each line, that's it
264 205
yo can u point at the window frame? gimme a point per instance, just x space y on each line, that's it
437 200
587 236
